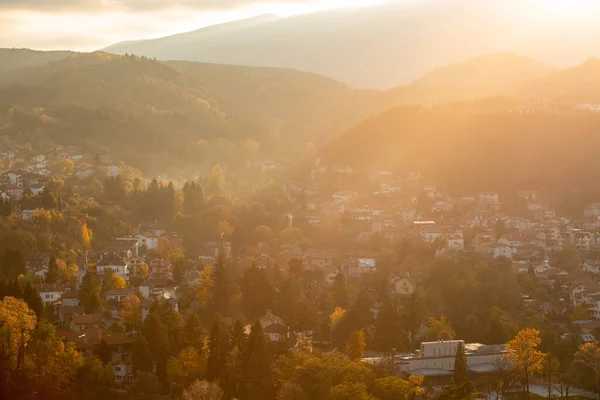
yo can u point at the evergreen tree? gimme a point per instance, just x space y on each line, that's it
59 203
89 292
47 199
104 352
178 270
257 292
256 370
12 264
33 299
461 371
340 294
386 327
157 334
216 353
141 358
53 274
221 286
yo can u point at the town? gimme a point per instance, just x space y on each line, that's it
364 261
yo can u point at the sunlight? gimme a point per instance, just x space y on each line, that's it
569 10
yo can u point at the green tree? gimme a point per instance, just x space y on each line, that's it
145 387
53 274
461 370
216 353
257 292
257 368
104 353
142 357
340 293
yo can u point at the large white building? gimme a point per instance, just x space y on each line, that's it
439 357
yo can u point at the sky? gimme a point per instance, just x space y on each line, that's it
87 25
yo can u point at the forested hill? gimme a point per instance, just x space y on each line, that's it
148 111
477 145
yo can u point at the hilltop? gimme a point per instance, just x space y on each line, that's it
384 46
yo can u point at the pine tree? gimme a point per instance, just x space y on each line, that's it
221 285
59 203
141 358
33 299
157 334
461 371
340 295
257 292
89 292
53 274
104 352
216 353
256 370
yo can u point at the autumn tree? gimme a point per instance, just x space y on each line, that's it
145 387
19 321
202 390
89 292
393 388
130 311
186 367
438 328
355 347
58 379
588 354
524 355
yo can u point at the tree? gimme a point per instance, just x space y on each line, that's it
215 353
220 292
53 274
104 353
588 354
340 294
257 292
117 282
350 391
551 369
20 321
257 366
64 361
438 327
262 233
145 387
202 390
89 292
187 367
142 357
393 388
130 311
33 299
355 347
524 355
461 370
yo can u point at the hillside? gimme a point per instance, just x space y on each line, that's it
16 61
384 46
184 107
476 145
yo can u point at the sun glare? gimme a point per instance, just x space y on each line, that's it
569 9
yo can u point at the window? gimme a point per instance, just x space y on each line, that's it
118 369
48 296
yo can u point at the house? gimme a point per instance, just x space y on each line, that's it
13 191
118 294
89 340
319 258
360 265
591 210
37 189
489 198
135 265
273 327
70 299
114 263
28 179
123 371
329 276
160 269
455 242
404 285
146 304
37 261
51 292
84 172
65 313
82 322
147 240
503 251
125 247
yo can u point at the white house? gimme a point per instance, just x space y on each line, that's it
112 170
504 251
51 292
493 198
123 372
113 262
118 294
147 239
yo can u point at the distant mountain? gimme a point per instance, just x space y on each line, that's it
497 74
15 61
387 45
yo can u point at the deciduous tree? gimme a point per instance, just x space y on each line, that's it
524 355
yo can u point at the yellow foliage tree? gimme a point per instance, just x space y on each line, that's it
63 363
130 311
588 354
86 236
19 321
524 355
117 282
336 316
188 366
203 290
355 348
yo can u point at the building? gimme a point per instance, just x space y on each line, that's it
147 240
51 292
404 285
81 322
435 360
118 294
319 258
70 299
114 263
273 327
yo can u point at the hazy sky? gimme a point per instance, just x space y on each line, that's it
92 24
